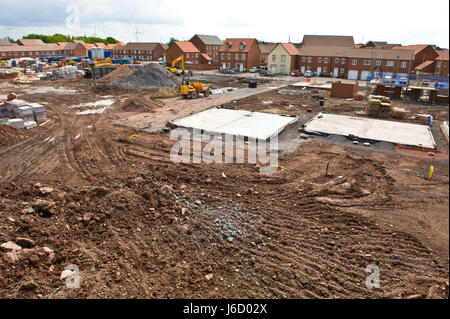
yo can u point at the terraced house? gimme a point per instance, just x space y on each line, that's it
240 54
355 64
209 45
283 58
141 51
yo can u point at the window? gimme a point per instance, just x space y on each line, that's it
237 56
282 69
439 64
319 59
343 61
403 65
196 55
378 63
303 59
309 59
283 59
222 55
325 70
187 55
274 58
229 56
354 62
243 56
3 53
241 46
445 64
367 62
325 60
390 63
336 60
227 46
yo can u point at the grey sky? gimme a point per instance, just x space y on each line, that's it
395 21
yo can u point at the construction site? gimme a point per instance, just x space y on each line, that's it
362 178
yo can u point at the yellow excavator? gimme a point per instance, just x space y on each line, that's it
104 62
192 89
174 70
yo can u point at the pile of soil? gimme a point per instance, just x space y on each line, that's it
136 103
11 135
119 74
165 92
152 76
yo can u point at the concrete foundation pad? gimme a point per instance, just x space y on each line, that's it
372 129
237 122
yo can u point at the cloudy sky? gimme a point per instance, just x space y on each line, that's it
395 21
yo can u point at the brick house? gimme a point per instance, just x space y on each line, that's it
283 58
328 40
353 63
422 53
192 55
28 42
240 54
208 44
29 51
75 49
141 51
266 48
378 45
442 66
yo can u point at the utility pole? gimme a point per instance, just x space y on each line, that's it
137 33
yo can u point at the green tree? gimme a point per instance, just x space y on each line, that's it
171 41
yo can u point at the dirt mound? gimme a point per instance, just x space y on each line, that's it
136 103
152 76
165 93
11 135
119 74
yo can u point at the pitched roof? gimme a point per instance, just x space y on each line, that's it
79 41
290 48
424 65
136 46
187 46
5 42
30 42
328 40
73 45
207 57
165 46
27 48
443 55
209 39
266 48
235 44
416 48
100 44
328 51
89 46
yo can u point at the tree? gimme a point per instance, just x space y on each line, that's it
171 41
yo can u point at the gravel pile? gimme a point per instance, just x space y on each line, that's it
152 76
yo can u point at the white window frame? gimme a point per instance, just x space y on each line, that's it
390 63
354 62
325 60
309 59
274 58
343 60
378 63
303 59
319 59
403 65
283 58
336 60
367 62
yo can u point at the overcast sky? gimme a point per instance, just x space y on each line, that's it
395 21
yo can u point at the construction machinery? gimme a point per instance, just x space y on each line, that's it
192 89
174 70
104 62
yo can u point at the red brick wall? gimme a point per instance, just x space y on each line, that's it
208 49
443 69
426 54
344 90
191 62
252 57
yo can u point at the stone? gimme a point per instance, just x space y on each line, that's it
43 205
230 239
9 246
11 257
46 190
208 277
25 242
28 210
198 202
66 274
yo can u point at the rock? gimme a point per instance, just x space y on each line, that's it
66 274
230 239
184 211
208 277
414 297
28 210
223 175
9 246
43 205
25 242
198 202
45 190
38 185
87 217
29 285
11 257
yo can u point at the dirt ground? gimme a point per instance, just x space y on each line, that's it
140 226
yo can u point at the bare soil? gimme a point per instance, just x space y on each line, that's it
140 226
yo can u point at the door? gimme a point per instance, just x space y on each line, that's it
336 72
241 67
319 70
282 69
364 75
352 74
274 69
224 65
302 70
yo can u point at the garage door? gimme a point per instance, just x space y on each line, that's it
353 74
364 75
